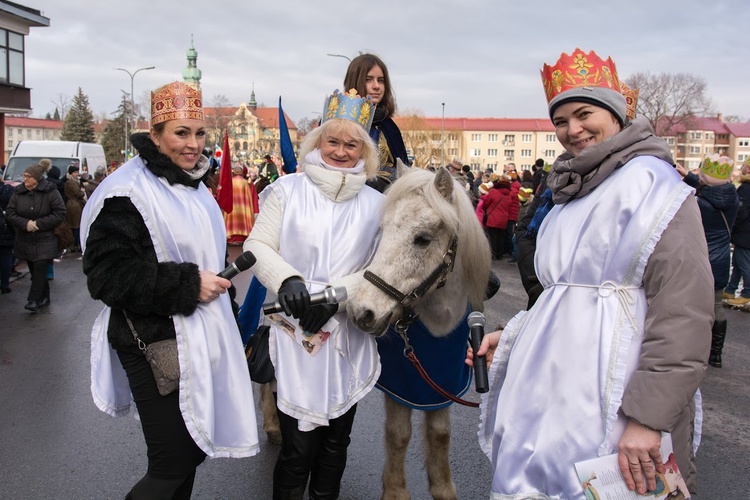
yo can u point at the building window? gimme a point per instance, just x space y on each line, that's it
492 137
476 152
452 136
696 135
694 150
492 152
526 137
476 137
11 58
510 139
549 153
743 143
740 158
709 136
20 132
509 154
551 137
525 153
38 133
435 136
670 141
10 143
28 133
453 152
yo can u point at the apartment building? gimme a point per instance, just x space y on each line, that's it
482 143
693 138
19 129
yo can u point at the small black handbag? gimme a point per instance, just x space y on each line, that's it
258 357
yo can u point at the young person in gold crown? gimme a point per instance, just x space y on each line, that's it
154 240
319 228
609 356
718 202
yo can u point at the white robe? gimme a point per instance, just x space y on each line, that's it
215 391
560 370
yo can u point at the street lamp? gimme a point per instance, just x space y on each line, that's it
132 103
339 55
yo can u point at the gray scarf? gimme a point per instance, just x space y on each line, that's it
574 177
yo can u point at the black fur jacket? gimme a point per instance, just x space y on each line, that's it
121 266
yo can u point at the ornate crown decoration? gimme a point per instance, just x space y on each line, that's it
349 106
718 167
631 100
176 101
579 70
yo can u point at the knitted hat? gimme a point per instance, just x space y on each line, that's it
581 77
45 163
35 171
715 170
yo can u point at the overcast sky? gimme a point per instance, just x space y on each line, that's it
479 57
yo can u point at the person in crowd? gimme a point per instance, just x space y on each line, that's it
34 210
539 172
515 187
53 176
496 206
239 222
267 173
718 203
369 76
741 241
318 228
7 236
525 197
619 256
527 180
75 197
99 175
112 167
154 241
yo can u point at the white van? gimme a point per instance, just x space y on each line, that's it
88 156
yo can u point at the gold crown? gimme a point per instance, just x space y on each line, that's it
579 70
176 101
718 167
349 106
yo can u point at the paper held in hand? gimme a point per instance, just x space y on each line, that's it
601 477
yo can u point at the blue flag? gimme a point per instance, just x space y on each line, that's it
285 144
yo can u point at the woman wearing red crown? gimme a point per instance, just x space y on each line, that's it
609 356
154 239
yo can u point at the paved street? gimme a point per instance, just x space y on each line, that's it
57 445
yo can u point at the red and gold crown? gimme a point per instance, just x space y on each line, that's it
579 70
176 101
631 99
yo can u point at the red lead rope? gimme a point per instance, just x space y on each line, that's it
413 358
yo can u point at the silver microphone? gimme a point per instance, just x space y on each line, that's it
331 295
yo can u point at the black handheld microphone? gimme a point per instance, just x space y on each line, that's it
241 263
328 296
476 325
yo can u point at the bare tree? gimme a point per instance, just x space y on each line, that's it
62 103
306 124
219 119
669 99
418 138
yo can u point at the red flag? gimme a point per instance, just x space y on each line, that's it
224 194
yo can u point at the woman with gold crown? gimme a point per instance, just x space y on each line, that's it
609 356
154 241
319 228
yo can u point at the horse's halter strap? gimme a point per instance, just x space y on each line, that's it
407 301
408 316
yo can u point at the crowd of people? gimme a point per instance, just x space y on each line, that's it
611 241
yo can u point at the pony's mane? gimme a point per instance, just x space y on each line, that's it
473 254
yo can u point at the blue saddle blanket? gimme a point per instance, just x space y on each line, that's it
442 358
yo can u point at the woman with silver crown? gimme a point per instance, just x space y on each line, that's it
613 351
154 240
318 228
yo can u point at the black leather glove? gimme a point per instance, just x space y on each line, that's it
317 317
294 297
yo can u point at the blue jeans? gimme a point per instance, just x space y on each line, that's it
740 269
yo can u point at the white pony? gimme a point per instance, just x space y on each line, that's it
430 234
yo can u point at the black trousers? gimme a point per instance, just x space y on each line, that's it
319 454
172 454
39 284
497 241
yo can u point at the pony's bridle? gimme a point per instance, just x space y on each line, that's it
409 300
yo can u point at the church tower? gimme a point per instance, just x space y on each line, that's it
191 74
252 104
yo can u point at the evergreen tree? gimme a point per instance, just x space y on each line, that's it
113 136
48 116
56 116
79 123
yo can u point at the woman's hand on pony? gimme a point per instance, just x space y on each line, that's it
486 348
